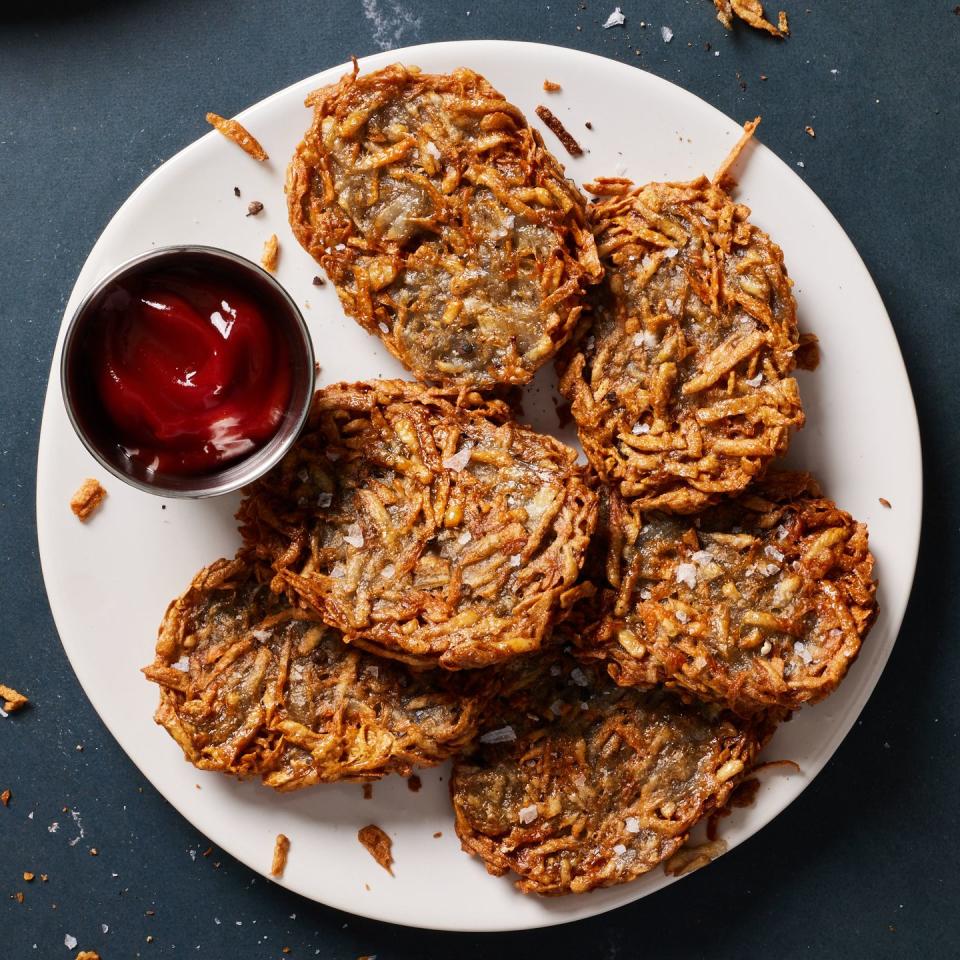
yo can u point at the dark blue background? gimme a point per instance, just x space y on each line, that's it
95 96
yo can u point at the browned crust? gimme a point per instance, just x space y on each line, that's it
424 525
599 785
251 686
681 384
760 601
238 133
558 129
502 163
87 499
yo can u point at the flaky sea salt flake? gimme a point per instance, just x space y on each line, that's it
616 19
354 535
500 735
687 573
459 460
528 814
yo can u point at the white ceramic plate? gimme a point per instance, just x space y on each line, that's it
109 580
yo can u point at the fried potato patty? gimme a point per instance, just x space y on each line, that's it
447 227
426 531
759 601
578 783
680 385
252 686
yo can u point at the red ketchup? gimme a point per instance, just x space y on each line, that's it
189 370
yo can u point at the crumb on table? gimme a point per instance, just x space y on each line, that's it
238 133
559 131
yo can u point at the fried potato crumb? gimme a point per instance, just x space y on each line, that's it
378 845
271 253
5 798
280 850
751 12
884 502
12 700
559 131
238 133
88 497
687 859
87 955
551 86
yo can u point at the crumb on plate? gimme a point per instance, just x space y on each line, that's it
378 845
271 253
280 850
560 132
88 497
751 12
238 133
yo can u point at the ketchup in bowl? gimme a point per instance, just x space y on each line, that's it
184 365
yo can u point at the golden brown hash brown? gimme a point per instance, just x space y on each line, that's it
583 784
680 385
447 227
763 600
422 530
250 685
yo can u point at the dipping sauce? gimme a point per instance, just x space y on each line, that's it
186 367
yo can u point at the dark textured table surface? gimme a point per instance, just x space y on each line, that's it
94 97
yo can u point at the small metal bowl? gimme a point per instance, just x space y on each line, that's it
88 418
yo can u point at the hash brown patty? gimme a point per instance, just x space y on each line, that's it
680 382
424 530
446 226
252 686
578 783
759 601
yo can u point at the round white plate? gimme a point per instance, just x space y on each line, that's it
109 580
